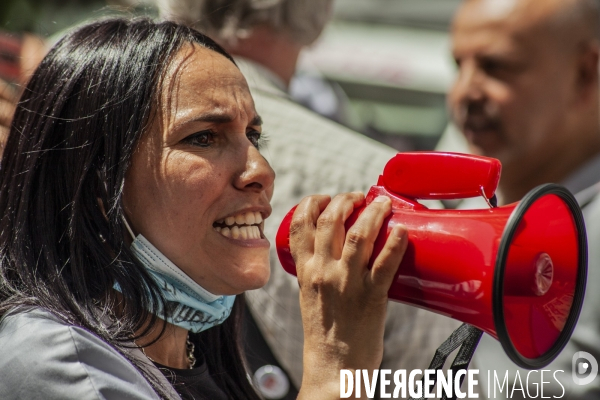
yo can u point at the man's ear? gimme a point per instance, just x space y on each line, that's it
588 70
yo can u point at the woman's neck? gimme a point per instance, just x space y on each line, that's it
170 349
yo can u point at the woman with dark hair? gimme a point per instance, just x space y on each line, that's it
132 195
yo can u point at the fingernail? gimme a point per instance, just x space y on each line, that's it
381 199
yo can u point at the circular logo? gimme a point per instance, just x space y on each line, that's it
544 274
585 368
272 382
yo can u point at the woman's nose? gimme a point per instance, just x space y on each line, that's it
257 174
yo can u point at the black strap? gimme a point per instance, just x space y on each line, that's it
467 338
258 352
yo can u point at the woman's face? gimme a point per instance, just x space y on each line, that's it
198 188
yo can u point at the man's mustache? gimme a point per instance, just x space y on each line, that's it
476 116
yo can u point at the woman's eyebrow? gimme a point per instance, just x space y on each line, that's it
218 117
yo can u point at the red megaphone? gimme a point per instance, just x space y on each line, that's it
517 272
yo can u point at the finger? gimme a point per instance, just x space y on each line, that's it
331 231
3 138
387 262
361 236
303 227
7 92
7 109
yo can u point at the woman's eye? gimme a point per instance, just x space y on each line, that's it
201 139
255 138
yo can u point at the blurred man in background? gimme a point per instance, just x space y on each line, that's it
527 88
527 94
310 155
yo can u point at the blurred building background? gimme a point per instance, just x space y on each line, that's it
392 59
382 67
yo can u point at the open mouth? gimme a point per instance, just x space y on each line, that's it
242 226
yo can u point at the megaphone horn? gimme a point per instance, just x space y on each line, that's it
517 272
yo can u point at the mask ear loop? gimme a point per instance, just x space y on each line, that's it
128 228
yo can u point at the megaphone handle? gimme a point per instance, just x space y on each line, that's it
467 338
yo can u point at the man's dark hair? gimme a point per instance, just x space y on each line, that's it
61 184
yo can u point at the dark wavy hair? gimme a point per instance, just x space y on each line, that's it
61 183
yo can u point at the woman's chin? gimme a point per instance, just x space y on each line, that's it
250 276
257 277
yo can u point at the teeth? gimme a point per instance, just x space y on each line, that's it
242 226
240 232
250 218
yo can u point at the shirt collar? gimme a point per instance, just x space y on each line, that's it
585 182
260 78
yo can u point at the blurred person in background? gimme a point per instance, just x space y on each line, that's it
310 154
527 88
19 55
8 98
28 28
21 50
527 94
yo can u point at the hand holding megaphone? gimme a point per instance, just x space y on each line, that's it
517 272
343 303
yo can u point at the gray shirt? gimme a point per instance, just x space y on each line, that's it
44 358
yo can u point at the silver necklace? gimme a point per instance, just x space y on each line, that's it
190 353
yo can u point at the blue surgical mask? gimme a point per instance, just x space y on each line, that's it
188 305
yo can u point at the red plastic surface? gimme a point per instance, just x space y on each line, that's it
449 264
535 322
437 175
10 48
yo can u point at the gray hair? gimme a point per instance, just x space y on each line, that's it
228 20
